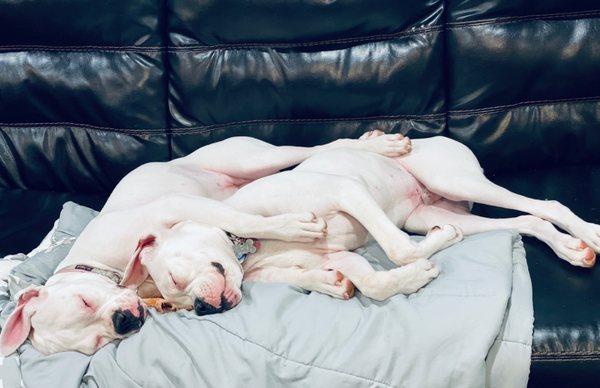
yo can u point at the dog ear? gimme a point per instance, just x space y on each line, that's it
136 272
17 327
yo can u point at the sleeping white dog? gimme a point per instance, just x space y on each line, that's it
357 193
83 306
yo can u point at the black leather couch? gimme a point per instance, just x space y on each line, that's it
91 89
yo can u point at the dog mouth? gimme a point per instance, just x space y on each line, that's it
201 307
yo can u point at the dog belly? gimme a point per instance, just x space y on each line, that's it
394 188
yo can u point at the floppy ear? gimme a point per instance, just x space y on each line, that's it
136 272
17 327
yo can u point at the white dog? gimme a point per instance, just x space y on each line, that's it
356 192
82 306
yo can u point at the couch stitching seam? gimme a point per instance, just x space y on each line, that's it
83 48
513 19
501 108
233 123
567 353
327 42
60 125
208 128
446 66
213 127
566 358
225 46
166 67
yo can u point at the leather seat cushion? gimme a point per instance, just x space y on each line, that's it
26 216
566 339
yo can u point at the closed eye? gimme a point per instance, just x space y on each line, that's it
178 284
87 304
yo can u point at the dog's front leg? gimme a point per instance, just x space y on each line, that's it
325 281
302 227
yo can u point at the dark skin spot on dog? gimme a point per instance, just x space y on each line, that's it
219 267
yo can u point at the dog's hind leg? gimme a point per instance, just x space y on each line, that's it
380 285
357 201
448 168
565 246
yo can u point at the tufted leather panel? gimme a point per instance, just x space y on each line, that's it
560 66
530 135
247 70
468 11
528 71
394 77
79 23
102 88
305 22
460 68
82 92
74 158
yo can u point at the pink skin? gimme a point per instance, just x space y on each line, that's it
214 291
211 292
232 296
133 308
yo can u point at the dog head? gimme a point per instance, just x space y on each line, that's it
193 265
78 311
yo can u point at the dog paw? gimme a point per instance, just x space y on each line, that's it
447 234
301 227
391 145
574 251
589 233
371 134
330 282
159 304
416 275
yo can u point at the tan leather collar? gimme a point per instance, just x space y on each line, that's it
112 275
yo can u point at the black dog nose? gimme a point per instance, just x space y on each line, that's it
203 308
125 322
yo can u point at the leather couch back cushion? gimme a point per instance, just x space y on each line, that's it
524 80
303 72
89 90
82 92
